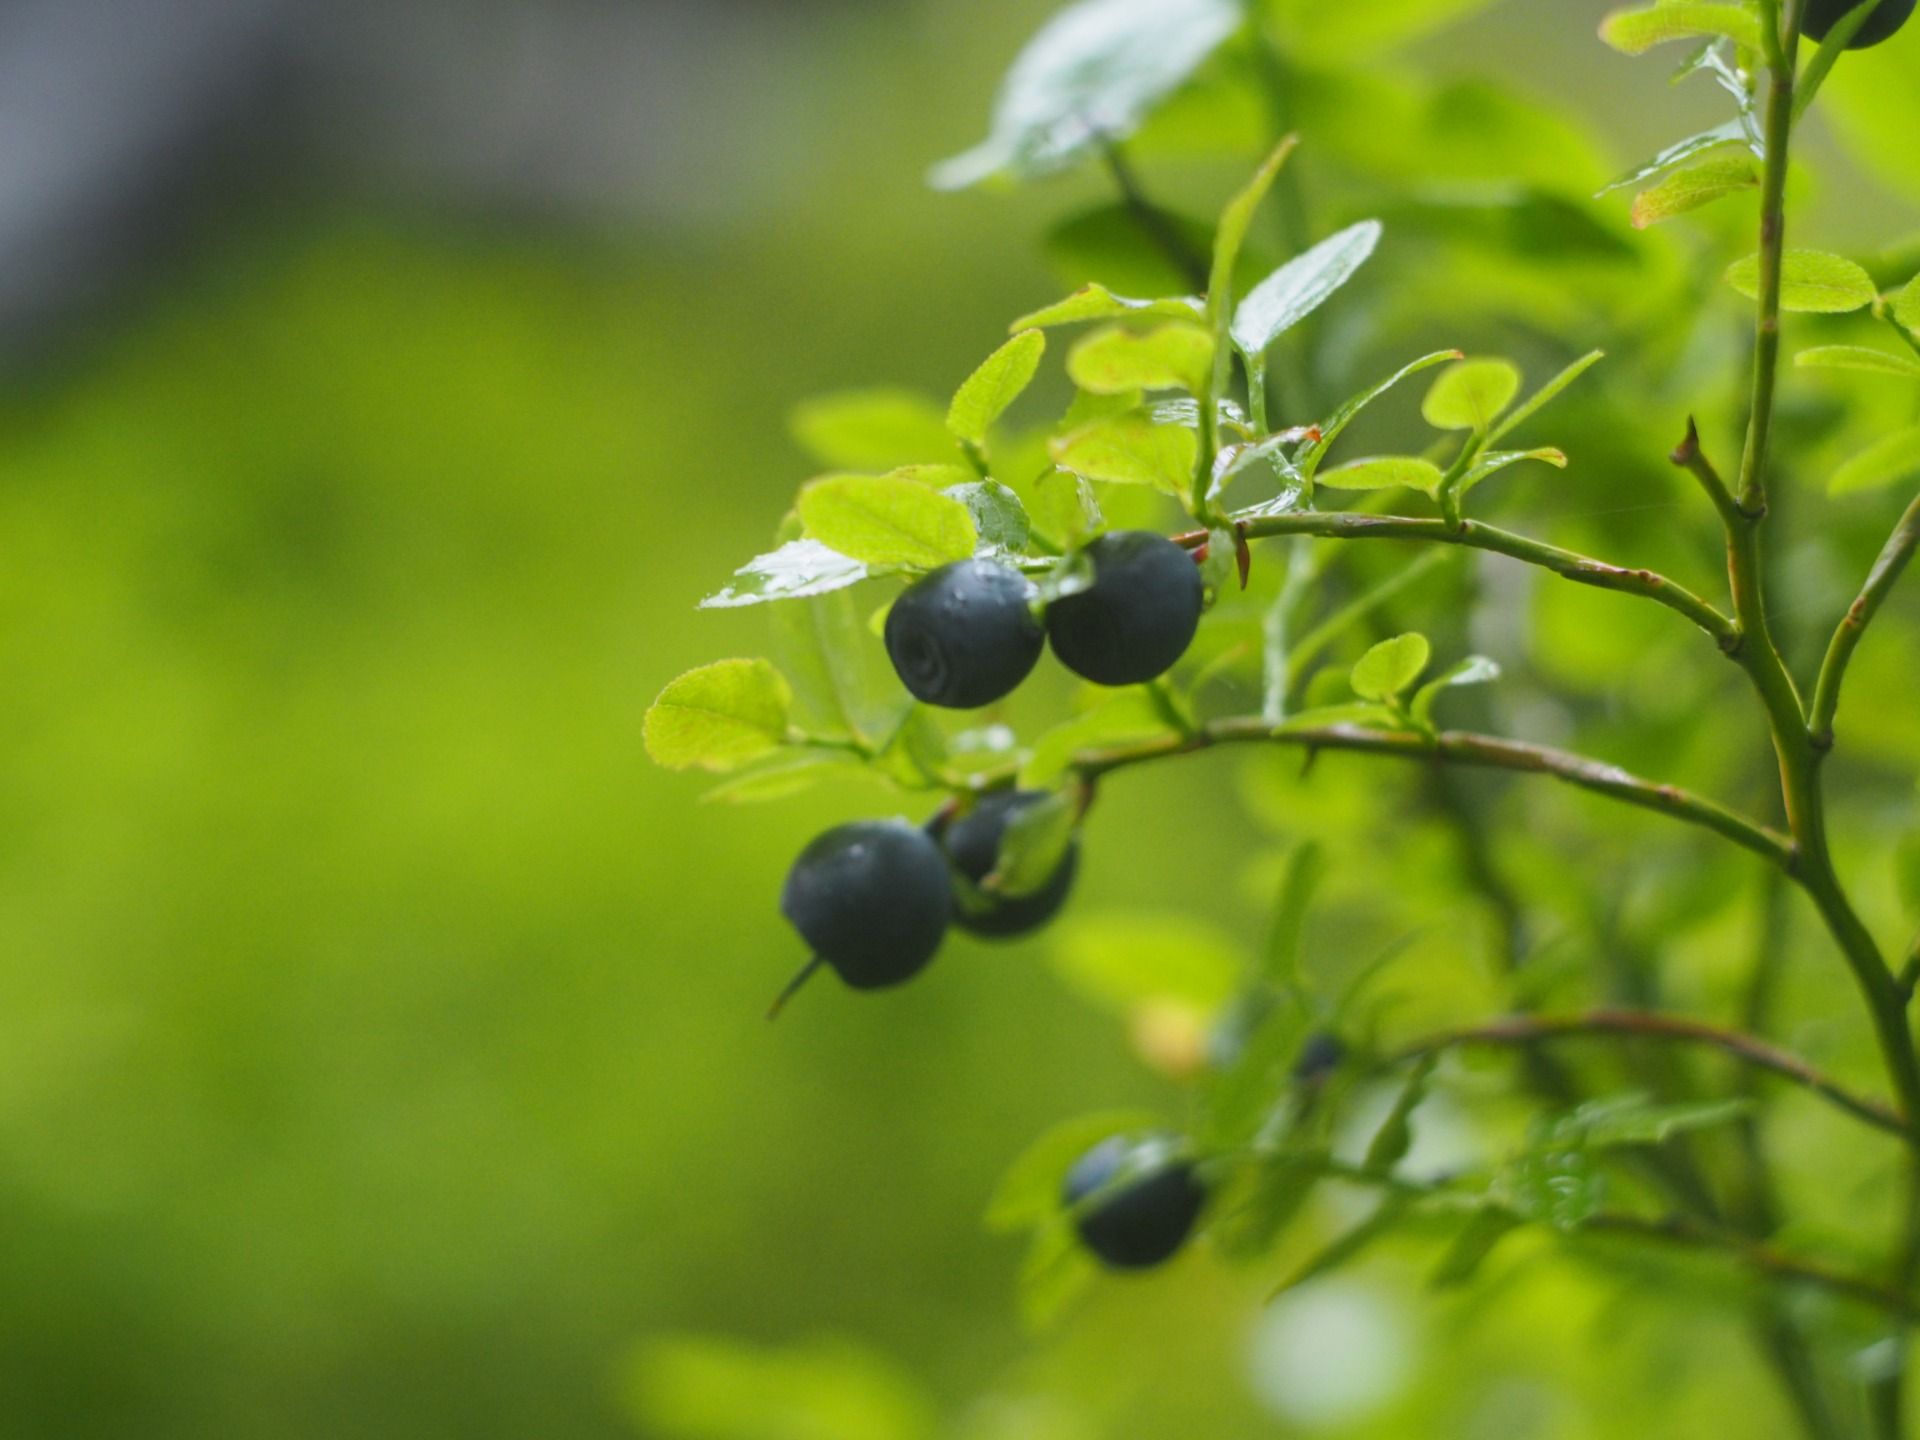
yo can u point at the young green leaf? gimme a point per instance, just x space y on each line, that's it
1906 305
1634 32
1341 418
1130 450
1115 361
1090 76
1231 233
1693 188
1485 1228
1301 286
1033 845
1471 395
1267 457
1390 667
1495 461
1893 457
1811 281
1394 1138
1386 472
871 429
1734 132
1064 508
719 717
1096 302
798 569
887 520
1858 357
1562 1187
998 515
1474 670
1545 396
986 394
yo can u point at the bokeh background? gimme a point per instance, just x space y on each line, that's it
381 1038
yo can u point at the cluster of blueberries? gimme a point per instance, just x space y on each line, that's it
874 899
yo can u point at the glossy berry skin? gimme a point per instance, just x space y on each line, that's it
1823 15
873 900
1137 617
965 635
1143 1222
972 843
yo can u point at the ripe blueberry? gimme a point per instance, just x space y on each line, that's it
965 635
973 847
1137 617
1137 1222
1823 15
873 899
1319 1057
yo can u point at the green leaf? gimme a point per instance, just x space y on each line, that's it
1259 1211
1858 357
1561 1187
1644 1123
1493 462
1130 450
798 569
1115 361
1054 1273
1306 867
985 395
1386 1217
1894 457
842 682
887 520
1268 457
1231 234
1033 845
1301 286
998 515
1123 960
871 429
1394 1138
1486 1227
1474 670
1545 396
786 773
1637 31
1029 1192
1064 508
1343 417
1734 132
1693 188
1471 395
1096 302
1119 719
719 717
1386 472
1090 76
1906 305
1391 666
1811 282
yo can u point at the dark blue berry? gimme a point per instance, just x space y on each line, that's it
1138 1222
965 635
972 844
1138 616
1823 15
873 900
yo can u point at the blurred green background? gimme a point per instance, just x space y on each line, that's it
382 1049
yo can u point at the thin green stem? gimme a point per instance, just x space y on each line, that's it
1456 747
1525 1030
1853 626
1773 225
1476 535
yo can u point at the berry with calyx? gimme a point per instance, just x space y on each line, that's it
972 842
1137 616
1134 1202
1823 15
965 635
872 899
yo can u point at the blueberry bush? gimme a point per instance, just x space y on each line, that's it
1235 486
